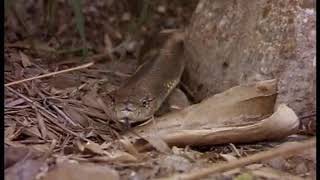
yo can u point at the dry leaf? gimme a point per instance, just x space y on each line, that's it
232 172
76 116
26 170
108 44
118 157
72 171
129 147
32 131
14 154
16 133
90 99
176 163
52 135
25 59
270 173
216 118
94 148
14 103
13 143
40 148
122 157
158 143
228 157
282 123
9 131
80 145
238 104
254 166
105 145
42 126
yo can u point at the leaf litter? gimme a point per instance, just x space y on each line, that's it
55 129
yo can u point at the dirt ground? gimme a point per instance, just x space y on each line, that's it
49 121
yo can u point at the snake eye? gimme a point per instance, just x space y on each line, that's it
145 103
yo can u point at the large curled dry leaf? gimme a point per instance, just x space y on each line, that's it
238 115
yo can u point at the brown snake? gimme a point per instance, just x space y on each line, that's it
142 95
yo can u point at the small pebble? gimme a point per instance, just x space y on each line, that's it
126 17
161 9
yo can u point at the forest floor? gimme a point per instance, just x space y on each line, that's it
50 121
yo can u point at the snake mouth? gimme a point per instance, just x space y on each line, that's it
125 122
128 123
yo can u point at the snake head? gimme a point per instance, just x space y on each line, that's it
130 109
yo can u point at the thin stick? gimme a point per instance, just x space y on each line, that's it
284 150
50 74
94 59
308 116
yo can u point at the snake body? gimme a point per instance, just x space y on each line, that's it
142 95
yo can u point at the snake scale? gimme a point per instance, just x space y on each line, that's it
142 95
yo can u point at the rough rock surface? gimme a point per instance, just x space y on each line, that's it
238 42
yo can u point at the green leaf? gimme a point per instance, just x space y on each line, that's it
144 15
51 8
244 176
76 6
7 5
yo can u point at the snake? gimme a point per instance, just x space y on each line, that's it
142 95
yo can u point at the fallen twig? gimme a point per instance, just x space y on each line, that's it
94 59
308 116
283 150
50 74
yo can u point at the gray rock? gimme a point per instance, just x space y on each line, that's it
239 42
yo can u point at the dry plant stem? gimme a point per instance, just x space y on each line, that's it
94 59
284 150
50 74
308 116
